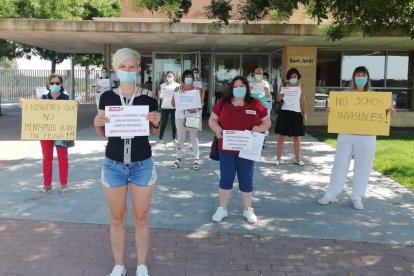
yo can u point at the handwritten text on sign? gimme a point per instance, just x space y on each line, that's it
359 113
126 121
49 119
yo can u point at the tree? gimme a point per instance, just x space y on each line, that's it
342 16
174 10
88 60
6 63
52 9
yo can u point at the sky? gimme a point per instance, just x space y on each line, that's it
37 63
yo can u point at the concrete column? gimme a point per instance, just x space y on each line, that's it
107 56
304 58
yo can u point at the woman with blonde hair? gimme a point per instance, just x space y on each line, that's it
128 164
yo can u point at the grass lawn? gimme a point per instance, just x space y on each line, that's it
394 155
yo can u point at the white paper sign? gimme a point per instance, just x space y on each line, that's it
237 140
40 91
103 82
187 100
257 145
198 84
292 94
167 93
127 121
257 87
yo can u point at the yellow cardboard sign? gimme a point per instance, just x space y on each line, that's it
359 113
49 119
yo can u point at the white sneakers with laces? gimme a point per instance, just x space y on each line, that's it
358 204
142 270
220 214
249 215
118 270
326 200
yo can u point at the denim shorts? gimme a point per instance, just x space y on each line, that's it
117 174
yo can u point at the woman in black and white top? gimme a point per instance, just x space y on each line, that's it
128 163
167 110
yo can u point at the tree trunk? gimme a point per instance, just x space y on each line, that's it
53 66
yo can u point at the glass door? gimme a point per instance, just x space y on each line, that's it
191 60
226 67
165 62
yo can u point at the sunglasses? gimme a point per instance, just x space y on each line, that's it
54 83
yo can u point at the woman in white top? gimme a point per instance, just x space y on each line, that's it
100 89
291 118
181 116
359 147
167 110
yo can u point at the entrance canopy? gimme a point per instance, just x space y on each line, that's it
71 36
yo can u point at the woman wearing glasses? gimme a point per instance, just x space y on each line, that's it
54 85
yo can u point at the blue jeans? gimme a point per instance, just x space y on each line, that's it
229 166
117 174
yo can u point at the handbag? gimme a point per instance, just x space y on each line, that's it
277 106
193 122
214 149
64 143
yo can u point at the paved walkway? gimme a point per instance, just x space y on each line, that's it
294 235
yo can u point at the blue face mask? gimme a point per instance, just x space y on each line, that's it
126 77
55 88
239 92
104 75
293 80
258 77
188 80
361 81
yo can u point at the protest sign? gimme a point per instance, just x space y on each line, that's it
188 100
49 119
359 113
127 121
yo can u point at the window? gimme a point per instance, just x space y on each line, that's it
389 71
373 60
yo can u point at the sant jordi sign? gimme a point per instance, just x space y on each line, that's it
49 119
359 113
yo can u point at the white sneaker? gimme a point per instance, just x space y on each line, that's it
220 214
276 162
118 270
358 204
142 271
249 215
326 200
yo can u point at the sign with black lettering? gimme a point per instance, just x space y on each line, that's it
297 61
359 113
49 119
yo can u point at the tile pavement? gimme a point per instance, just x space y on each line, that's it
39 248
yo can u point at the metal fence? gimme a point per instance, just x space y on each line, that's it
15 84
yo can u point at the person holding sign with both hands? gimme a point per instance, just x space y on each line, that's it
292 116
238 110
184 117
348 146
128 163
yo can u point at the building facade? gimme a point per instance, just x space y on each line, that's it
237 49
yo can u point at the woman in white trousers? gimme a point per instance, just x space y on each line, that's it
360 147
